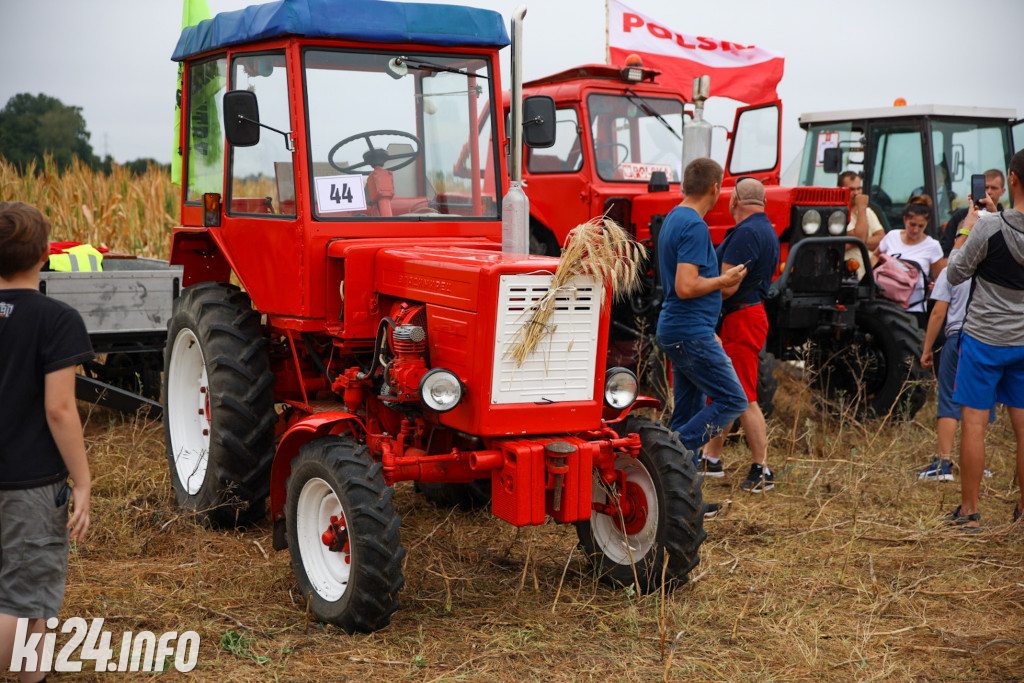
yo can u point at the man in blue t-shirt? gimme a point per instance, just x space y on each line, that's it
692 284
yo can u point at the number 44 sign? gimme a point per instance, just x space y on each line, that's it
340 193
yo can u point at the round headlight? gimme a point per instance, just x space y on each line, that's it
620 388
441 390
837 223
811 222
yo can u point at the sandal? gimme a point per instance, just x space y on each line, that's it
955 518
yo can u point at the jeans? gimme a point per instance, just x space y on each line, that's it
701 370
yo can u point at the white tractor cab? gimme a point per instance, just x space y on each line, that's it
902 151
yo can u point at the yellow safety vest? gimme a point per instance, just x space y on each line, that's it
83 258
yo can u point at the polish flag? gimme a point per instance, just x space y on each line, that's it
743 72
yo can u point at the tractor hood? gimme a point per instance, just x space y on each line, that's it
451 277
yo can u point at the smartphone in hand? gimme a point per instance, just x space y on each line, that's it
978 189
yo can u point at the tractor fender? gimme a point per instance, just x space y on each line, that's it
611 416
201 255
300 433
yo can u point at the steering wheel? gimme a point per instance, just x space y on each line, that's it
625 156
375 157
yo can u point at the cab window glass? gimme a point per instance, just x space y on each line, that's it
756 143
827 136
897 172
262 176
566 156
207 83
958 150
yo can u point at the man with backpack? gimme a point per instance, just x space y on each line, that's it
991 249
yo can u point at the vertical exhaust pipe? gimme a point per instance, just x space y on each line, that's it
515 206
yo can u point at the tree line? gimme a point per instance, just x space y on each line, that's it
35 126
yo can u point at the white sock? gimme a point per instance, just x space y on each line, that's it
713 461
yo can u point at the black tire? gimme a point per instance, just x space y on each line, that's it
138 373
355 589
878 371
218 366
472 496
678 529
767 385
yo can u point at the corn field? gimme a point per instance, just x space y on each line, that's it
121 211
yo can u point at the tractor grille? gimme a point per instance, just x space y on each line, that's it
561 368
820 196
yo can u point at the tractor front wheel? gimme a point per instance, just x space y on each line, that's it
343 535
657 514
219 415
878 373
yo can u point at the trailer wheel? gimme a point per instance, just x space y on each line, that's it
343 535
219 412
662 515
472 496
878 372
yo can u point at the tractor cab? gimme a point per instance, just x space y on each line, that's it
292 141
904 151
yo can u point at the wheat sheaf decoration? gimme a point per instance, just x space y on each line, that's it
599 247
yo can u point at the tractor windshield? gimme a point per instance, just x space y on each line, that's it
634 136
387 132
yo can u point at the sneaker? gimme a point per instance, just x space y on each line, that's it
711 509
758 481
937 470
710 469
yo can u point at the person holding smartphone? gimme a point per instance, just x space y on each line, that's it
42 340
995 188
991 250
692 283
744 327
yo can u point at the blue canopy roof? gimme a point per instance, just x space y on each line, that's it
374 21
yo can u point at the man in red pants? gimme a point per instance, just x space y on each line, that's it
752 242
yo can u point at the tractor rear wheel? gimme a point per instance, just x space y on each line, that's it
878 372
343 535
219 414
661 515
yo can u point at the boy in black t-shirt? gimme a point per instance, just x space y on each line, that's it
41 342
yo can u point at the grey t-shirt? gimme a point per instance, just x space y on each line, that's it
994 255
954 295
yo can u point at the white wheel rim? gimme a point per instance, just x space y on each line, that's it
618 546
188 411
327 570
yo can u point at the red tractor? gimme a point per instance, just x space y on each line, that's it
369 341
621 142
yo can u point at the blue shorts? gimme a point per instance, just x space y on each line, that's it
948 362
989 374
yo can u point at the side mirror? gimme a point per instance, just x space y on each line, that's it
241 118
539 121
833 161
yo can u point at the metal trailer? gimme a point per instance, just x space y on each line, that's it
126 307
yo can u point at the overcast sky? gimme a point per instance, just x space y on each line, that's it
112 57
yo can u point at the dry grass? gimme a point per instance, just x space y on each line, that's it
127 213
840 573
